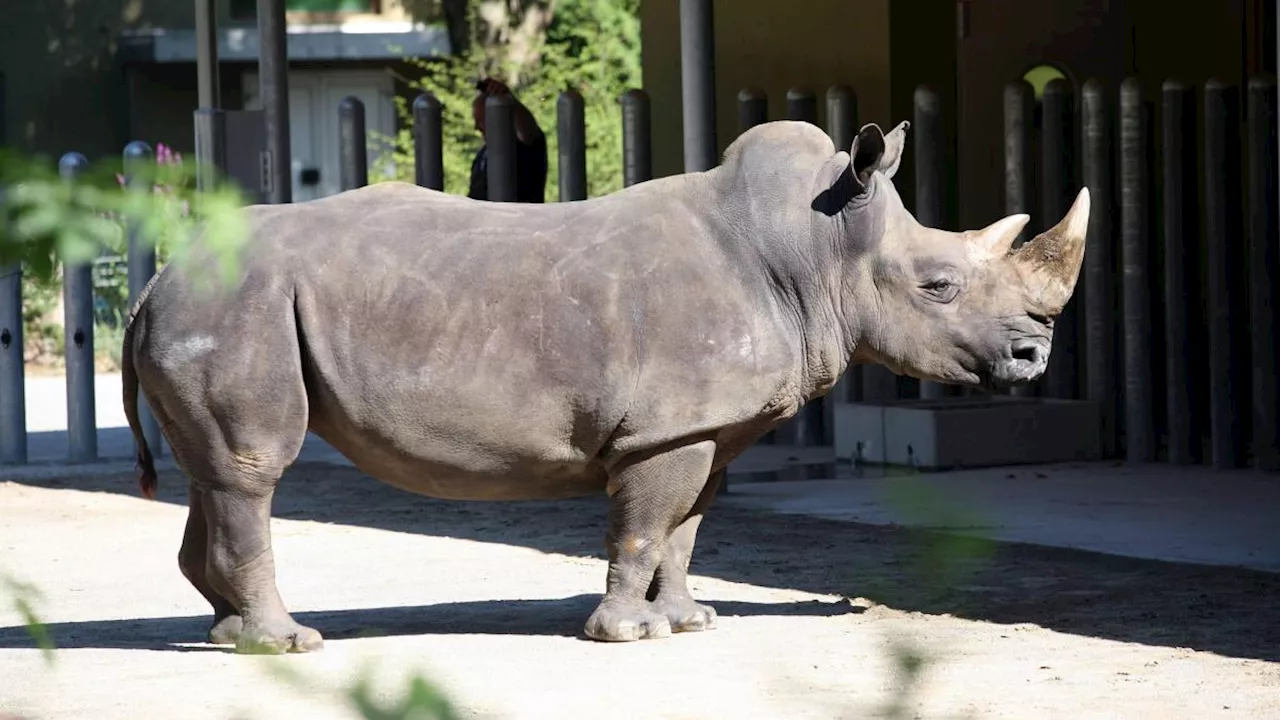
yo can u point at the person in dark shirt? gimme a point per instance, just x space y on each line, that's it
531 149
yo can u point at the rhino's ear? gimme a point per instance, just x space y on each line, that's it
875 151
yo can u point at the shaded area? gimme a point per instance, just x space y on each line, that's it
549 616
1224 610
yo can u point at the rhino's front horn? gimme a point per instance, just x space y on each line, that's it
1051 261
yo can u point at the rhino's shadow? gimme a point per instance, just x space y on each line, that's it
1229 611
562 617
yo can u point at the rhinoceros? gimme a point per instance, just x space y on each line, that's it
632 344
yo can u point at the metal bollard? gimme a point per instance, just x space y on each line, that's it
571 130
698 84
13 403
353 155
1058 186
1019 118
77 299
500 132
753 108
1140 441
842 116
842 123
930 208
1180 265
802 105
1228 375
142 266
1264 266
637 140
1099 263
428 142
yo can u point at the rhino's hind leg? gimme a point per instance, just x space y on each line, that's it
669 591
650 498
193 559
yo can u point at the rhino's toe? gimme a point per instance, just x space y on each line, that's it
614 623
684 614
298 639
226 631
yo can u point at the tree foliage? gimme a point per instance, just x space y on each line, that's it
592 46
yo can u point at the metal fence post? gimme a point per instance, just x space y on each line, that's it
142 266
753 108
500 135
13 403
1140 442
77 299
1099 262
698 84
1228 376
929 208
1180 263
802 105
1058 185
572 141
428 142
842 123
353 154
637 140
1264 268
1019 109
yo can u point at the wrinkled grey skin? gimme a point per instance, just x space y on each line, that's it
633 344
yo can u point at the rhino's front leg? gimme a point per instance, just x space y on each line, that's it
669 591
651 496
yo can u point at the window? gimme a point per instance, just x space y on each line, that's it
248 9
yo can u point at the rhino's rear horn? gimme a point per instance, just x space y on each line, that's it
1051 261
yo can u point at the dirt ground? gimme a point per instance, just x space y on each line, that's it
489 601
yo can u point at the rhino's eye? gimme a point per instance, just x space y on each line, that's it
941 289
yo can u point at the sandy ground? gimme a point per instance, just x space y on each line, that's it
489 600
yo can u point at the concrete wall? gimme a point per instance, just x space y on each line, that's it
815 44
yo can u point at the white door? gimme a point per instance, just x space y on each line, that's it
314 97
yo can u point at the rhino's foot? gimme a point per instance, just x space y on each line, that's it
226 631
684 614
292 638
619 622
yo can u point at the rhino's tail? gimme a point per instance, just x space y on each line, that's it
147 479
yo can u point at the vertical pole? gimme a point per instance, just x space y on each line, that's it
500 134
802 105
1099 261
1059 185
698 84
141 266
637 142
753 108
842 123
1227 383
1019 108
1264 268
208 92
1139 413
572 131
77 302
353 153
13 403
929 208
273 88
1180 262
428 142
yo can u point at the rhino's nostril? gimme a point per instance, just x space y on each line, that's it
1026 352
